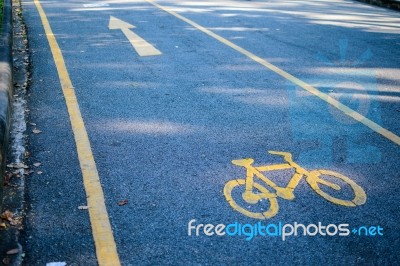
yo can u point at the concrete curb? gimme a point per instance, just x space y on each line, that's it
6 87
392 4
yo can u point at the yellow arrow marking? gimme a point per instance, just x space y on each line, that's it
142 47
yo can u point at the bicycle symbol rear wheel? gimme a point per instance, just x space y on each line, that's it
314 179
264 195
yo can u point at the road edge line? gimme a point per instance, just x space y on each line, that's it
325 97
106 249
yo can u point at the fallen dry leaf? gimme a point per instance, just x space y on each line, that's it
16 221
7 178
122 202
6 261
13 251
3 225
28 172
36 131
57 263
7 215
37 164
83 207
17 166
32 124
39 172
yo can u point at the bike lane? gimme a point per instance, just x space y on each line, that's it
164 130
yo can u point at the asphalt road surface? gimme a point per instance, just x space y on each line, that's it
170 92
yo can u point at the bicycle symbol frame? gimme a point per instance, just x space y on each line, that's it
255 192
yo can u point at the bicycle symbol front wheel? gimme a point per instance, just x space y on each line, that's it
263 194
315 180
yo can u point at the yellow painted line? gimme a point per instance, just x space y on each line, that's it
142 47
343 108
106 249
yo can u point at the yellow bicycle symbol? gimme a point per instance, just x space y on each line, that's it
255 192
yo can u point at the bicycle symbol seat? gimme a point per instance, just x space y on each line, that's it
255 192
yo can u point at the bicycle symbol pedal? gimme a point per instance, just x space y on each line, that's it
254 192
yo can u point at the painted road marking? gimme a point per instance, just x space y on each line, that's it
96 5
142 47
314 178
106 249
325 97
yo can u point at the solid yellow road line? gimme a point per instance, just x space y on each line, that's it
106 249
343 108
